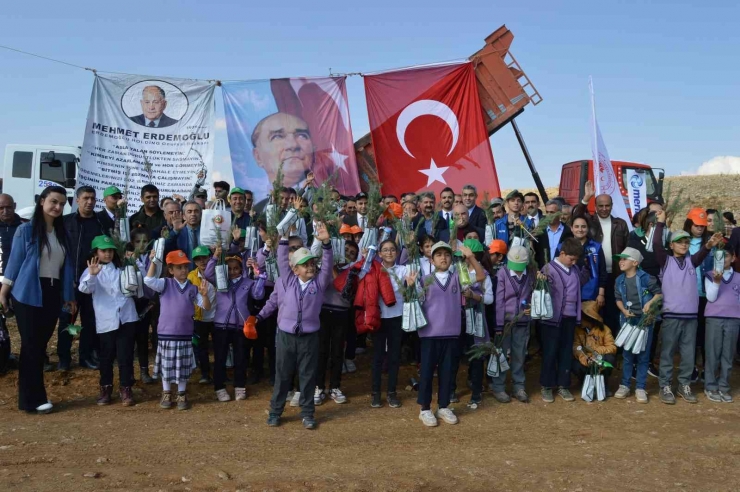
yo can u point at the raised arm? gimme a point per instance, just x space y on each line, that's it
282 258
661 255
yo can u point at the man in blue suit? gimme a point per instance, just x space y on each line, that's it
184 234
153 104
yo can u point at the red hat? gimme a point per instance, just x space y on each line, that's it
497 246
177 258
345 229
698 216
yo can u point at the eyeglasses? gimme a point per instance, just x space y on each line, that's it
388 250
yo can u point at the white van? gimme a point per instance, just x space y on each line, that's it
29 169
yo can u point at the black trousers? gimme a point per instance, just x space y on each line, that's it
331 347
557 353
204 330
463 345
701 329
295 353
439 354
118 344
221 340
36 325
351 346
387 340
89 340
255 349
141 339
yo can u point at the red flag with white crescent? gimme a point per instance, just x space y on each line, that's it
427 130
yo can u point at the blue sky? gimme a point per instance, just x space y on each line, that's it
665 73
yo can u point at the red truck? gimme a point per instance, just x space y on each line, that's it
575 174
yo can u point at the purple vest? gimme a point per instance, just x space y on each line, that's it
442 307
727 304
232 306
176 311
510 292
565 289
680 295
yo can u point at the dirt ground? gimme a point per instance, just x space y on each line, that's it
617 444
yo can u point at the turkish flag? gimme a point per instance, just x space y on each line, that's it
427 130
322 103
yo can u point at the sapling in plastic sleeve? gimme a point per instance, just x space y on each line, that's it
369 238
291 217
490 233
368 264
719 260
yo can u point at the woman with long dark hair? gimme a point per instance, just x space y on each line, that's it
38 277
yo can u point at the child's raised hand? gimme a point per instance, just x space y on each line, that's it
465 251
541 276
322 233
203 288
717 277
152 254
218 250
714 240
411 278
528 312
94 266
660 215
236 233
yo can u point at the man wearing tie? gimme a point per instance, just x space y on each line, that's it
153 103
446 199
362 210
185 231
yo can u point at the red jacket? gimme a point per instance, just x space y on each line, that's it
370 289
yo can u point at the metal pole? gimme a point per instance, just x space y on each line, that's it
528 158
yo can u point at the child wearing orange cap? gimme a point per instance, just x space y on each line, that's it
346 232
175 359
356 233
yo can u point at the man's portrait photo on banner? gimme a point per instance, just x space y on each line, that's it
154 104
301 124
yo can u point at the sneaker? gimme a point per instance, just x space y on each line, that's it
565 394
309 423
318 396
447 415
205 380
666 395
652 371
273 420
222 395
182 401
240 394
641 396
427 418
44 408
474 404
725 396
375 401
295 401
502 397
360 350
713 395
104 397
694 377
393 400
547 395
522 396
166 401
454 398
350 364
337 395
685 393
144 375
127 396
622 392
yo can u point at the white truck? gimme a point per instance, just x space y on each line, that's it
29 169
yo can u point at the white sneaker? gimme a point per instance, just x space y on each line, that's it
447 415
622 392
45 408
296 398
351 367
240 394
337 395
222 395
641 396
428 418
318 396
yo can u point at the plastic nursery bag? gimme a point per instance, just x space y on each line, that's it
719 260
291 217
413 317
222 277
369 238
271 269
589 385
541 301
624 333
474 322
497 365
124 232
490 233
600 388
215 224
337 246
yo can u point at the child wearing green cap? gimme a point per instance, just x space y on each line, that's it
203 317
680 308
115 319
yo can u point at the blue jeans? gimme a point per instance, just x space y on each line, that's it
642 360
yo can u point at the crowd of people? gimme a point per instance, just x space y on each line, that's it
443 283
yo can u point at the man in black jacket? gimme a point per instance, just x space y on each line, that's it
9 222
82 227
477 217
554 234
149 216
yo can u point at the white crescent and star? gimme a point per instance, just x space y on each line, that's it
434 108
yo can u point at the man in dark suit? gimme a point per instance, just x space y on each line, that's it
556 233
153 104
532 209
477 217
431 223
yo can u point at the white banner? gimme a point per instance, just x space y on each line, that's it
161 129
604 177
636 190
